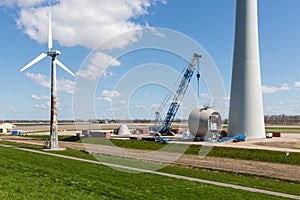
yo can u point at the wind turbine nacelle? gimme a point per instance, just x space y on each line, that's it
53 53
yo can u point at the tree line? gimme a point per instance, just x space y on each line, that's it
282 119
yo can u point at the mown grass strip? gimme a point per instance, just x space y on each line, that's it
283 130
65 138
243 179
26 175
223 152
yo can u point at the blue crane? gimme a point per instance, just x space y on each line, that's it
175 104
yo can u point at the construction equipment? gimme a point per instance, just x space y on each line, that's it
164 127
162 140
237 138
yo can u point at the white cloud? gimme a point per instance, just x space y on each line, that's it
205 95
123 102
108 95
297 84
63 85
270 90
20 3
288 107
109 74
39 79
41 97
107 99
86 23
140 107
154 31
226 98
46 106
43 106
99 62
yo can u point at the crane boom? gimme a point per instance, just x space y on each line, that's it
175 104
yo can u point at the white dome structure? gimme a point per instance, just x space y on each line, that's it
123 130
204 121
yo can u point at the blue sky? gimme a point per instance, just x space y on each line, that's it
78 26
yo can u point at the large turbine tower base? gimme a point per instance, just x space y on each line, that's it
246 108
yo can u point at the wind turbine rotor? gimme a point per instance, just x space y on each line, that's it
34 61
50 43
56 61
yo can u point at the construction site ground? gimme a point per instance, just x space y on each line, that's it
288 143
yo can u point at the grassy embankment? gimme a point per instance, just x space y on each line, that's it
223 152
27 175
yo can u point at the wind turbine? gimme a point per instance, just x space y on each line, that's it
54 61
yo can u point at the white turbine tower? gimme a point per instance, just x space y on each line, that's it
52 54
246 106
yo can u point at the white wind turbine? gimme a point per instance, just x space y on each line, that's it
52 54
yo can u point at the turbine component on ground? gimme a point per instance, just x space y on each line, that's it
204 122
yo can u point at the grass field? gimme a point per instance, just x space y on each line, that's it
27 175
224 152
290 187
283 130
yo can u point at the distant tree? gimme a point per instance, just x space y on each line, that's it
282 119
225 121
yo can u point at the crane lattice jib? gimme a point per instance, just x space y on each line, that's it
182 88
158 119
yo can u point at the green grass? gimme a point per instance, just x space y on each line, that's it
65 138
276 129
252 154
223 152
22 145
26 175
257 181
243 179
283 130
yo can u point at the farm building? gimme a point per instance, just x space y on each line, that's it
6 127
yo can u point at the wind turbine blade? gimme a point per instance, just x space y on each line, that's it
50 43
37 59
64 67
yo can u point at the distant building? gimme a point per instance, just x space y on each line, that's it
6 127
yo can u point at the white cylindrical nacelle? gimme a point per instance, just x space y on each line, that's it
203 121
